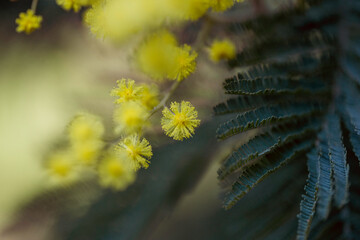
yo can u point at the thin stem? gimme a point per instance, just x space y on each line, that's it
34 5
165 98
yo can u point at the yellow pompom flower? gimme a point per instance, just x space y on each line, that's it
150 96
126 91
85 127
28 22
155 56
221 5
87 152
130 117
180 120
138 150
222 50
76 5
115 171
62 168
184 63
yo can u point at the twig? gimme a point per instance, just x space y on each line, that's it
34 5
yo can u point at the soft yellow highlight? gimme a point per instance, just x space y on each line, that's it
155 56
127 91
87 152
130 117
62 168
180 120
138 150
85 127
222 50
115 171
28 22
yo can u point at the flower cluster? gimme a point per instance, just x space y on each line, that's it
160 56
86 153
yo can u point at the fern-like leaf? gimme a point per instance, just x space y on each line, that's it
265 143
266 116
337 155
307 205
254 174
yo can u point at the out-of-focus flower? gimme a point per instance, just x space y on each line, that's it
138 150
116 171
130 117
155 56
62 167
87 152
190 9
85 127
180 120
150 96
28 22
127 91
222 50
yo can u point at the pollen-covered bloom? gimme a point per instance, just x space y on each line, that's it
76 5
62 167
116 171
221 5
150 96
130 117
222 50
28 22
138 150
184 63
85 127
180 120
126 91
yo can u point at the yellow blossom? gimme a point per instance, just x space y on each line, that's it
130 117
62 168
138 150
184 63
85 127
72 4
150 96
87 152
28 22
115 171
221 5
180 120
223 49
155 55
126 91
